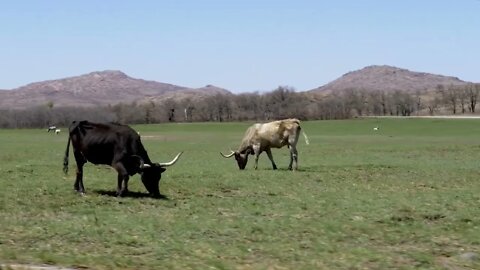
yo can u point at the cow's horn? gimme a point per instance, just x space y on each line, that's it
229 155
166 164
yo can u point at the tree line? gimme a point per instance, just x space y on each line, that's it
283 102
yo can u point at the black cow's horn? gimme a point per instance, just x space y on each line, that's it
229 155
166 164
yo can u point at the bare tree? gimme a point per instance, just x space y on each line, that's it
418 101
188 109
472 92
377 102
280 100
433 105
149 109
404 103
462 94
449 96
355 99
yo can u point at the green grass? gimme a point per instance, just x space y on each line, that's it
404 197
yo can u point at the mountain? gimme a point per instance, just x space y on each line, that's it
193 94
388 79
93 89
112 87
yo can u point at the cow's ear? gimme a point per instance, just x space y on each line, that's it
137 162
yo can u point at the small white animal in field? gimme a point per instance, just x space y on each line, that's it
51 128
57 131
376 128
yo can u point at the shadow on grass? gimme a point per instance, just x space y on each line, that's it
301 169
285 169
130 194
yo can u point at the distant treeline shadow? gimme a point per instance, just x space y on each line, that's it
130 194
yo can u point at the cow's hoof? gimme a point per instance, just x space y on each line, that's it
157 196
79 191
122 193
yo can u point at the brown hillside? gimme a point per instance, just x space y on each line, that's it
193 95
113 87
96 88
387 78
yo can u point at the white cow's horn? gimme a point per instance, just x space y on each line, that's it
166 164
229 155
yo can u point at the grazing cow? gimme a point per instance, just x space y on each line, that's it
262 137
118 146
51 128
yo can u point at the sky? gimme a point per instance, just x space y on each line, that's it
242 46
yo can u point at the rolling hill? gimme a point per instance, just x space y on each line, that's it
94 89
388 79
112 87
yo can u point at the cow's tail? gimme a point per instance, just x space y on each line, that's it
306 138
299 129
65 159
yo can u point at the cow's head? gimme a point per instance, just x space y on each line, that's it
240 157
151 174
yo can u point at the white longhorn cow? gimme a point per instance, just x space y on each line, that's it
263 137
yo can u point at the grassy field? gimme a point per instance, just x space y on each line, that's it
404 197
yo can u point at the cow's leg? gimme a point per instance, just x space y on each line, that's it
257 152
122 184
122 180
293 158
80 160
256 160
292 144
269 153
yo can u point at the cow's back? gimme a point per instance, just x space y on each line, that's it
289 124
277 133
103 143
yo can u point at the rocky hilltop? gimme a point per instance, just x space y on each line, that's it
387 78
111 87
93 89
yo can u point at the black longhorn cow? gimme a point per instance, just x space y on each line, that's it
118 146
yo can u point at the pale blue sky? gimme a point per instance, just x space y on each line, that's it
239 45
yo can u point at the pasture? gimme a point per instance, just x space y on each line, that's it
406 196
